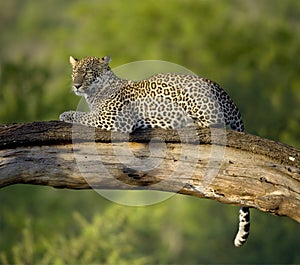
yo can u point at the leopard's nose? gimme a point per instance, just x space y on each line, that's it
76 86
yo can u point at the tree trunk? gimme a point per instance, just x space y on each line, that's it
227 166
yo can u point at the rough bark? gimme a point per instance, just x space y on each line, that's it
227 166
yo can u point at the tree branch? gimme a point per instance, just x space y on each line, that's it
227 166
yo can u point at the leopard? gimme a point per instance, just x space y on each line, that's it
164 100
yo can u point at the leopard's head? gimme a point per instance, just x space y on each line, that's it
88 73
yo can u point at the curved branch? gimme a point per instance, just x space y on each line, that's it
227 166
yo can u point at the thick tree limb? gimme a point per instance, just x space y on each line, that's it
231 167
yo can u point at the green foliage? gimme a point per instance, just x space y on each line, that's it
249 47
179 231
23 83
87 242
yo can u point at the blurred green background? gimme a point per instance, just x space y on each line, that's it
250 47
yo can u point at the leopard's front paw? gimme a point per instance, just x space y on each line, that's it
67 116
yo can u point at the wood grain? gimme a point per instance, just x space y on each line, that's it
227 166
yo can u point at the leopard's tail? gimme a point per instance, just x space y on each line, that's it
244 227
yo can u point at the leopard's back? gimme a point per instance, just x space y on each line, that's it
175 100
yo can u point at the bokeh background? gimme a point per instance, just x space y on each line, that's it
250 47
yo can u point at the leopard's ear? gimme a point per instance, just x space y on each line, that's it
73 61
106 59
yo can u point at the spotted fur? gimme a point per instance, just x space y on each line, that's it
168 101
